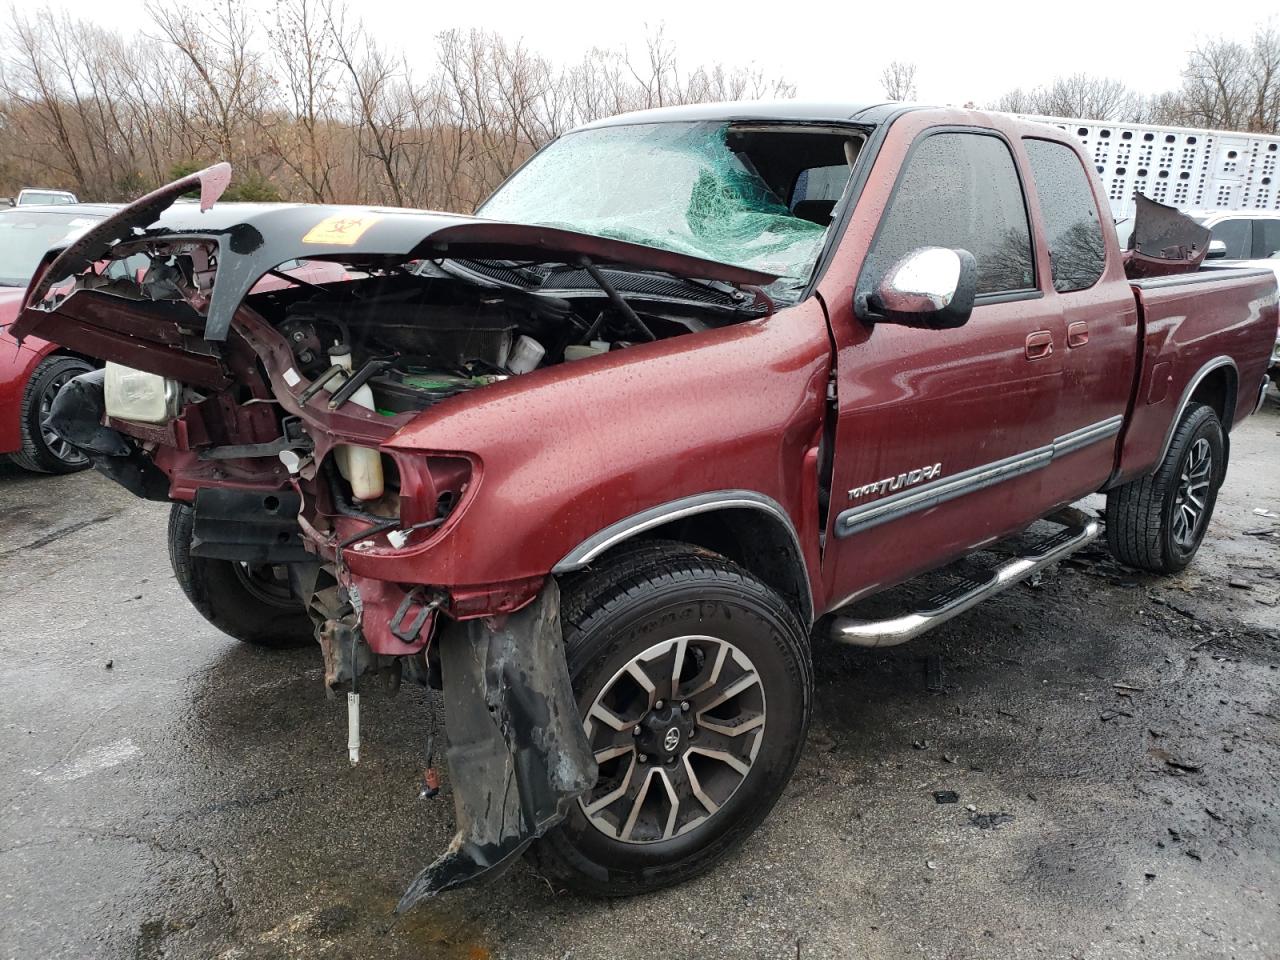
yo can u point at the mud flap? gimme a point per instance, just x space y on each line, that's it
517 752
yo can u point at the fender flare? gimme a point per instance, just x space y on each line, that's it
715 500
1215 364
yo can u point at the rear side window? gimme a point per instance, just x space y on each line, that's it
1237 235
960 190
1267 239
1070 215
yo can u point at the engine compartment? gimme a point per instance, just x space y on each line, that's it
420 334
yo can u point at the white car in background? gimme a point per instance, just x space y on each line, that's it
1252 239
40 195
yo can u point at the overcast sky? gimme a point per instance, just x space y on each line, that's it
965 51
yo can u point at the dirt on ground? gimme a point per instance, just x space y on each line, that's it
1094 773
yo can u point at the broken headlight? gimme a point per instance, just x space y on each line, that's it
137 395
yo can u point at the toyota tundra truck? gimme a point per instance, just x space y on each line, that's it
692 387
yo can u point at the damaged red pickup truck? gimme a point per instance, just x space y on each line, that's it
596 461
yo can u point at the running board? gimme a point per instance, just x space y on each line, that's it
1079 529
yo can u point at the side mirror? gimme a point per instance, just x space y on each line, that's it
932 288
1217 250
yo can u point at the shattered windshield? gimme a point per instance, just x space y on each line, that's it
692 188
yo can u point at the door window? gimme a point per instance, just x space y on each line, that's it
1237 235
1070 214
1266 238
960 190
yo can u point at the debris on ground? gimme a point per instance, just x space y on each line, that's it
946 796
1183 766
990 821
1112 714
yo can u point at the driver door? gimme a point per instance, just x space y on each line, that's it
940 434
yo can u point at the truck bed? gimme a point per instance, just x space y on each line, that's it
1217 322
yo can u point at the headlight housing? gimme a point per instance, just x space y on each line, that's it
137 395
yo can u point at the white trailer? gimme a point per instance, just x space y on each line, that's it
1189 169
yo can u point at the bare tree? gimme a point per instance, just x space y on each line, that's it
898 80
1225 84
306 105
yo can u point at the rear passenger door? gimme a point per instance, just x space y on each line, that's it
1099 317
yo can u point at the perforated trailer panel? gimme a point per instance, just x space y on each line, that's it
1179 166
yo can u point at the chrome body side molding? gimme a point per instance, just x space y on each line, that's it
1208 368
714 500
873 514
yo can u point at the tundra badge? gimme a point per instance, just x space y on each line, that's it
898 482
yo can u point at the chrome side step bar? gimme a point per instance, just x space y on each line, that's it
1079 530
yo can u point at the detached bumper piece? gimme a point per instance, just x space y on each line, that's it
76 416
517 752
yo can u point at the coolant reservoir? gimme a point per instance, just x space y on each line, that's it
360 466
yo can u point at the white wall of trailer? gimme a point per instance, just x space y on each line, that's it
1179 166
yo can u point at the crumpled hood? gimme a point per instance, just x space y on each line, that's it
255 238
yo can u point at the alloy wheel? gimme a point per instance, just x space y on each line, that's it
1189 511
56 446
675 732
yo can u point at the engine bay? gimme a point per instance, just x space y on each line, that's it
418 336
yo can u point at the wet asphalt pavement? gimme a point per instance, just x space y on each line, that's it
1113 740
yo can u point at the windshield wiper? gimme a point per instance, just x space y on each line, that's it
616 298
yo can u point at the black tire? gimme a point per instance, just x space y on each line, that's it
1142 530
647 596
41 452
255 611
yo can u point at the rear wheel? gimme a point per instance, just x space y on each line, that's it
695 686
251 603
43 451
1158 522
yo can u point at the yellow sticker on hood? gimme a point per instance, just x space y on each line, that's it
341 229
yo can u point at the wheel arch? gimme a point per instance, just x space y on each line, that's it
1215 384
746 527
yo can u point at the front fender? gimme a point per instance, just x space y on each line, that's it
566 451
17 363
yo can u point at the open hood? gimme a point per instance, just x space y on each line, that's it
252 239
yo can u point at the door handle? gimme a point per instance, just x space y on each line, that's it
1039 345
1077 334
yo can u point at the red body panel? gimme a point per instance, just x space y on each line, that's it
1185 332
565 451
17 363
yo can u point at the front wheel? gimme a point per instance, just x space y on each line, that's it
43 451
251 603
695 686
1158 522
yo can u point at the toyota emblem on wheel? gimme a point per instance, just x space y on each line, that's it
672 739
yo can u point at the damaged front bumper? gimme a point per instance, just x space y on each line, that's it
518 755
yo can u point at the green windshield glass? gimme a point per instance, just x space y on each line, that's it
677 186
